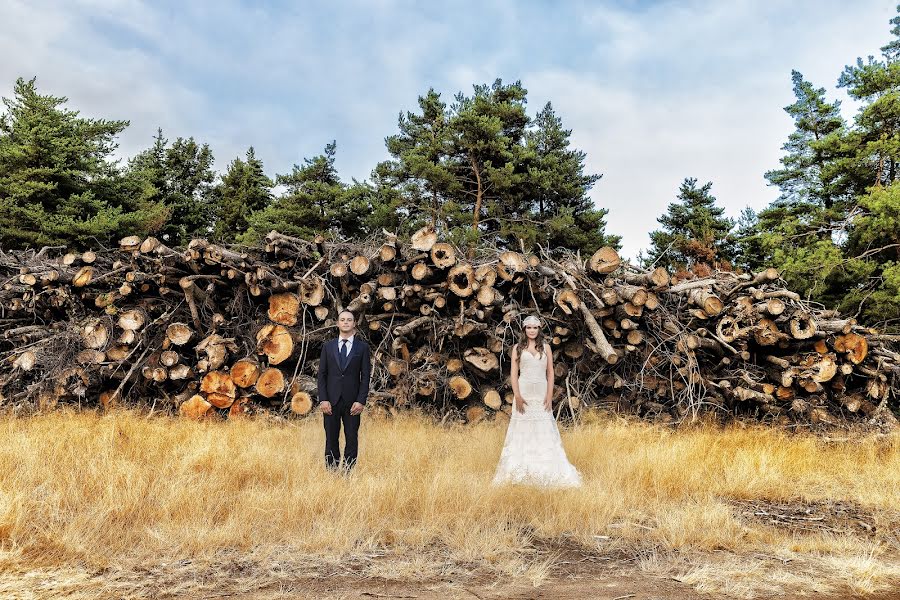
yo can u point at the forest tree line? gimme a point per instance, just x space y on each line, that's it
481 170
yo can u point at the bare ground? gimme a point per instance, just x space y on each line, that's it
575 575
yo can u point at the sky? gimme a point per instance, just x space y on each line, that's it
653 91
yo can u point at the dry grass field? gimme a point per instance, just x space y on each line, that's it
124 505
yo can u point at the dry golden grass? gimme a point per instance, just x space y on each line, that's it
121 492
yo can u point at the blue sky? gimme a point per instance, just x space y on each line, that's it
653 91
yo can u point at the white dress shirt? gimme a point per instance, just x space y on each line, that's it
349 344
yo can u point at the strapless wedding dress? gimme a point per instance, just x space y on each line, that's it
533 451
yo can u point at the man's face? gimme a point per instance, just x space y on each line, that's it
346 323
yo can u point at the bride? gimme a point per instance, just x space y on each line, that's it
533 451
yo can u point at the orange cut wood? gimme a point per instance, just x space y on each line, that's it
218 382
284 308
301 403
270 382
245 372
275 342
195 407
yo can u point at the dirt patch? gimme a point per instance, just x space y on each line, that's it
556 571
820 517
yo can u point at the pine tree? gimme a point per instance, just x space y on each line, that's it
315 202
58 183
801 177
419 172
693 233
181 177
487 130
244 190
558 187
876 83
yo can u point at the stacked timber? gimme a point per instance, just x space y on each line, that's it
211 329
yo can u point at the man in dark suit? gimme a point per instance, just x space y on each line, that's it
344 370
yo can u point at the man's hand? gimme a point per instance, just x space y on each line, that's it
356 408
520 403
326 407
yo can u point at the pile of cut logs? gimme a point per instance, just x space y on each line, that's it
214 330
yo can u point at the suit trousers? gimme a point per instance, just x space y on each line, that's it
340 414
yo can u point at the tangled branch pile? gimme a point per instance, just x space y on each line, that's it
211 329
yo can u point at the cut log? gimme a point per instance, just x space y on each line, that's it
275 342
424 239
802 326
387 253
338 270
132 320
492 399
219 383
359 265
461 280
488 296
179 333
766 333
245 372
83 277
284 308
510 265
486 275
475 414
420 272
482 359
194 408
219 400
604 261
707 301
312 291
460 387
216 348
637 296
443 255
658 278
301 403
90 357
270 382
169 358
853 345
25 361
180 372
95 335
130 243
454 365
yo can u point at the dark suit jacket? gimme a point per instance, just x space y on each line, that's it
351 383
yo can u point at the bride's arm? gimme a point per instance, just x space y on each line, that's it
518 401
551 375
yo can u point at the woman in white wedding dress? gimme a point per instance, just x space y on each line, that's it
533 451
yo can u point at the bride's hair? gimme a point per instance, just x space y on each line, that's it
523 342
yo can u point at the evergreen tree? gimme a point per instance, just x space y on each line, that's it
420 172
487 130
58 184
482 170
876 83
559 189
181 177
693 231
801 177
244 190
315 201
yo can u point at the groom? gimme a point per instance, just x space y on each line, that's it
344 369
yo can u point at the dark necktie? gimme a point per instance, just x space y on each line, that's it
344 353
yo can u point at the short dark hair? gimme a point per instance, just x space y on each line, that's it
349 312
